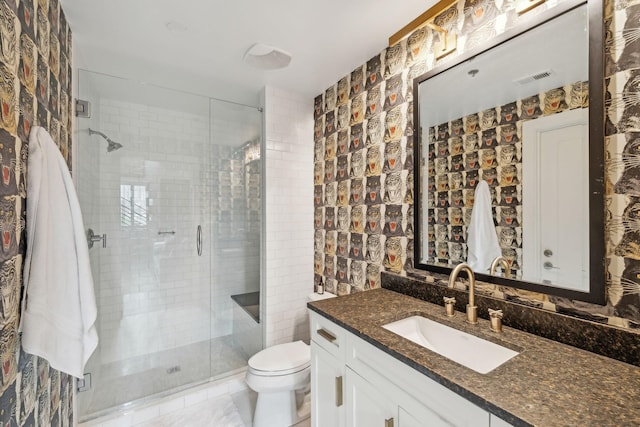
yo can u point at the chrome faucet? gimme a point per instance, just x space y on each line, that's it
472 309
505 266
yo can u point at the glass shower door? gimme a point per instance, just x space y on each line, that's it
236 235
174 182
151 199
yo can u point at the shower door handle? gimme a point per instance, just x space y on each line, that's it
199 240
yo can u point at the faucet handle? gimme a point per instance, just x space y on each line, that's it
496 320
449 306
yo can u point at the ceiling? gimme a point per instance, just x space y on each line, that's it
327 39
559 47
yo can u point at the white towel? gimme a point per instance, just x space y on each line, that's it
58 305
482 238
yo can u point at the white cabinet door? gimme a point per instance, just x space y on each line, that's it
499 422
405 419
366 405
327 385
411 414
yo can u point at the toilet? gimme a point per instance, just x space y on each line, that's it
281 374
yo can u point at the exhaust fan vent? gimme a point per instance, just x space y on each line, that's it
533 77
266 57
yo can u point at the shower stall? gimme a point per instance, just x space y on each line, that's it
170 185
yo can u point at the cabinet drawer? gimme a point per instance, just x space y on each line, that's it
327 335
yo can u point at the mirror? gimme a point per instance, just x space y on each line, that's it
510 143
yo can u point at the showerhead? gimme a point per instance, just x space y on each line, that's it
112 144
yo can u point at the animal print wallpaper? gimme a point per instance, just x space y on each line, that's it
35 79
487 146
364 146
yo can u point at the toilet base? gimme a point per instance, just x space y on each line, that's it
293 407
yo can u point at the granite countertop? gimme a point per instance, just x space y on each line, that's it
547 384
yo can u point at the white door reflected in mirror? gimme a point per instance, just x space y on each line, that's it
555 167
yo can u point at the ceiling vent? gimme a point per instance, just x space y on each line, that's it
534 77
266 57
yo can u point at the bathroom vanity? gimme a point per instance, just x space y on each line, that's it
356 384
365 375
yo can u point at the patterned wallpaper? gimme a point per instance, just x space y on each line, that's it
363 157
35 78
486 145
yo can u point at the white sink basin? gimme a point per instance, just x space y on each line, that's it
475 353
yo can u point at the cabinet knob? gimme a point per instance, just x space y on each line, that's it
339 391
388 423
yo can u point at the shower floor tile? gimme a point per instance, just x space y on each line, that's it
226 403
123 382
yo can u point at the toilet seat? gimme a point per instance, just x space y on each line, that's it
281 359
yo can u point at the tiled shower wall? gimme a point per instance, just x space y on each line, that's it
35 70
363 197
147 278
288 256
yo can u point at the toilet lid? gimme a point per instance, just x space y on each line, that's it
282 357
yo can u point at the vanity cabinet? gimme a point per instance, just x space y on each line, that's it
375 389
369 405
327 372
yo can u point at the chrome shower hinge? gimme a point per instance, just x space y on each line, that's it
83 108
84 383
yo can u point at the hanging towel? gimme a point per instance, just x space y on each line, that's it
482 238
58 305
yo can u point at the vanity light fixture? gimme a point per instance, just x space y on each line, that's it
447 43
266 57
426 19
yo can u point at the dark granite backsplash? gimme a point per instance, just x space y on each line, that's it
616 343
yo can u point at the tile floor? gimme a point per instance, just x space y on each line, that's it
223 403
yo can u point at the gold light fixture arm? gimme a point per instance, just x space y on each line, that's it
442 32
421 20
448 42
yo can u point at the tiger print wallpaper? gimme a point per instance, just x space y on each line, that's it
35 88
364 145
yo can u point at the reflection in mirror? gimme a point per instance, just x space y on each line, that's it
515 117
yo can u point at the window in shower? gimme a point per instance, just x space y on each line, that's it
133 205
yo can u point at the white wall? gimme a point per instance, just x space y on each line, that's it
289 214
